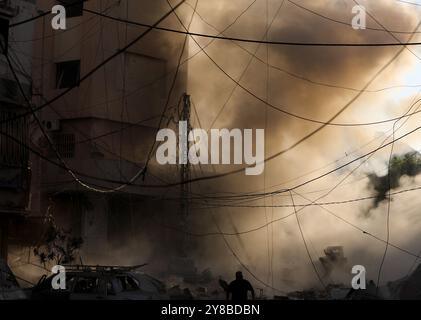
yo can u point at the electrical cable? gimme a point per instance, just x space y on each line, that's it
298 225
247 40
45 134
245 69
236 233
312 133
99 66
305 244
210 234
389 167
295 75
387 217
402 117
173 84
48 139
75 3
347 23
283 110
141 171
408 2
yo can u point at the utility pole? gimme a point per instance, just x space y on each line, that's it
185 174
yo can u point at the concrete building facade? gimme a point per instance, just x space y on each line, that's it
105 126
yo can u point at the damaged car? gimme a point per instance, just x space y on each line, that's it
101 283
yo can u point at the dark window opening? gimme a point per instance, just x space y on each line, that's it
68 74
65 144
12 150
74 8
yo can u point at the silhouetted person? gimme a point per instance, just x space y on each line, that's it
239 288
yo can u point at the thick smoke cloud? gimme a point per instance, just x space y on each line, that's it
274 252
279 245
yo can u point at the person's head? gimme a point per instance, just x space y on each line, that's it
239 275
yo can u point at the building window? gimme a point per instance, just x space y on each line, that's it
67 74
74 8
12 142
64 144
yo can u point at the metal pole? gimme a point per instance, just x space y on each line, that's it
185 175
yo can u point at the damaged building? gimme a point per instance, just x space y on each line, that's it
104 127
90 171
